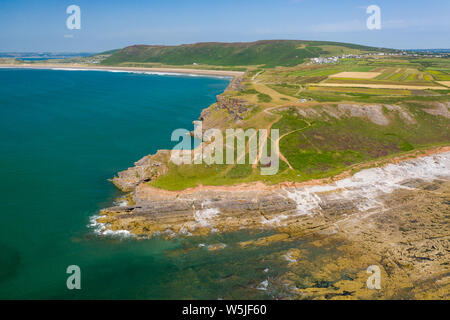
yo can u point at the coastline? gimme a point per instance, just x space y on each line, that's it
173 71
393 216
147 211
367 219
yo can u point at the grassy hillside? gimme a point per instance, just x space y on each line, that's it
269 53
317 145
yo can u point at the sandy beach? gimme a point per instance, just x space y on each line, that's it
223 73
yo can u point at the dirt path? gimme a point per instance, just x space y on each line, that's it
265 138
277 97
256 75
277 142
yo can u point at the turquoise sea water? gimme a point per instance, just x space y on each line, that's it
62 135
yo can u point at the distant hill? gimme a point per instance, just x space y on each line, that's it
270 53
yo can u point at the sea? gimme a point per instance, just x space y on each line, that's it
63 134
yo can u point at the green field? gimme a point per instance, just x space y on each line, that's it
334 144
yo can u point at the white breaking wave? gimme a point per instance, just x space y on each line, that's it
367 185
204 216
121 203
101 229
276 221
159 73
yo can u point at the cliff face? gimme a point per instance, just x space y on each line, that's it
152 166
234 107
148 168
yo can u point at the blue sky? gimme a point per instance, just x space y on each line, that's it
27 25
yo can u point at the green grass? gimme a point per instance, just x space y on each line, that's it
262 97
323 147
335 144
290 121
286 89
239 171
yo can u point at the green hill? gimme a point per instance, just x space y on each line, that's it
269 53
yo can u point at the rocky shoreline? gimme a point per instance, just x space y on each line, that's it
396 216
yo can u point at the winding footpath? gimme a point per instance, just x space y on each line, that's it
277 142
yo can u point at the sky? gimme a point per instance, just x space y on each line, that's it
40 26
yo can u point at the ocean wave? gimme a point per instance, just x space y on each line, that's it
101 229
158 73
204 216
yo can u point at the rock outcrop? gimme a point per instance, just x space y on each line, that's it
440 109
236 84
235 107
395 216
148 168
197 212
373 112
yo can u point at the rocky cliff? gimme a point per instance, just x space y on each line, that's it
148 168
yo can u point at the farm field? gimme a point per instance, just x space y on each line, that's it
388 78
397 78
379 86
356 75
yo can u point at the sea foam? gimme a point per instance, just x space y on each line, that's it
101 229
158 73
